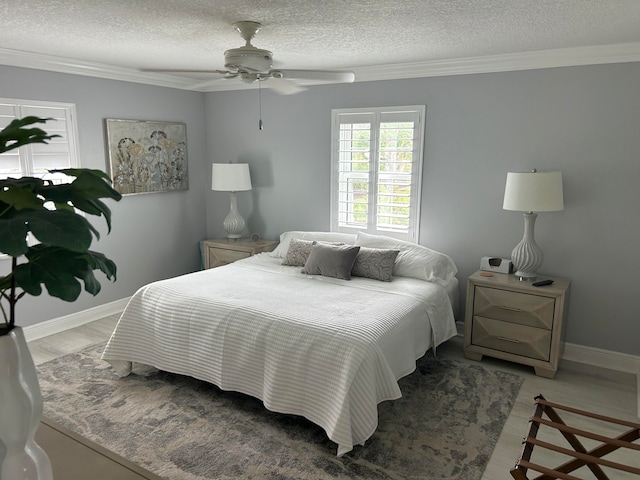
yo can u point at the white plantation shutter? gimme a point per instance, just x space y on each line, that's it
34 160
377 170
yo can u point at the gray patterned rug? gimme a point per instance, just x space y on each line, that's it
444 427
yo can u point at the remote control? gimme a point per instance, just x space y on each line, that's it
542 283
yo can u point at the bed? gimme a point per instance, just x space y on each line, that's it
285 328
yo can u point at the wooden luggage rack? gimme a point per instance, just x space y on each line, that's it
580 456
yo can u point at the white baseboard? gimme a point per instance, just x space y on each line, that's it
604 358
60 324
621 362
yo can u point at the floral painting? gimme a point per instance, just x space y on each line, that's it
147 156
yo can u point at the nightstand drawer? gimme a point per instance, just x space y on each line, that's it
520 308
511 338
219 257
223 251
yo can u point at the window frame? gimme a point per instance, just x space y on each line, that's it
376 114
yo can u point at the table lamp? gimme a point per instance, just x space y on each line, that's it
531 192
232 178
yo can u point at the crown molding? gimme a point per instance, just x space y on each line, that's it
17 58
565 57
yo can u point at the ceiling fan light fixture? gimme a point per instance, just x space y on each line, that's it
250 58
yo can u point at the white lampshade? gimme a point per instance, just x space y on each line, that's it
230 177
533 192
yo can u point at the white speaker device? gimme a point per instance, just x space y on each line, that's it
494 264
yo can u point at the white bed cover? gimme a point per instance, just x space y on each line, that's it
327 349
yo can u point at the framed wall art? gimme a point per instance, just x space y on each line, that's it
147 156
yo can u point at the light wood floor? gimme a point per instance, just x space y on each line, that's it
589 388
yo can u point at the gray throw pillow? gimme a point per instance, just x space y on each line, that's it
298 252
331 260
376 263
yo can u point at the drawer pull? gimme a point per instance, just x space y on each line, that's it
512 340
512 309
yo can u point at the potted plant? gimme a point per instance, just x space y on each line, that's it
61 260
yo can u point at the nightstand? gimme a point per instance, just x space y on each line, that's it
512 320
222 251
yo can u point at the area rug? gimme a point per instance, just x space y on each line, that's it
445 426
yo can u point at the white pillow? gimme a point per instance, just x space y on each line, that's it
283 247
414 261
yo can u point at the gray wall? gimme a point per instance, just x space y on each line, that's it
153 236
584 121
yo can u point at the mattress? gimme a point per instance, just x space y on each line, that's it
328 349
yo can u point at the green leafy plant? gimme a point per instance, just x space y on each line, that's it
32 206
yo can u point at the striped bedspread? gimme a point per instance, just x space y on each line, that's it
327 349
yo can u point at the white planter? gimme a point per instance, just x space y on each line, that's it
21 458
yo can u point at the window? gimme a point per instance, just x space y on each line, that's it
376 170
34 160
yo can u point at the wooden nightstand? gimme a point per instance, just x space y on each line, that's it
222 251
513 320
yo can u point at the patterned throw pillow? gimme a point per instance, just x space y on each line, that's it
298 252
414 260
376 263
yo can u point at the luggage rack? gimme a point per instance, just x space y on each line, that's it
581 457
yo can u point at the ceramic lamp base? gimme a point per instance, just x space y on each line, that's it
233 223
527 256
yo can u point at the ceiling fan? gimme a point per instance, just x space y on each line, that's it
251 64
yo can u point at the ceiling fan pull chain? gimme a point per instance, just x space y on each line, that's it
260 127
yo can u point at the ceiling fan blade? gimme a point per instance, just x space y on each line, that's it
333 76
283 86
210 82
182 70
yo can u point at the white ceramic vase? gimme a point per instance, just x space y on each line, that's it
21 458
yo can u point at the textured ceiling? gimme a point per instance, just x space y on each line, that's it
317 34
